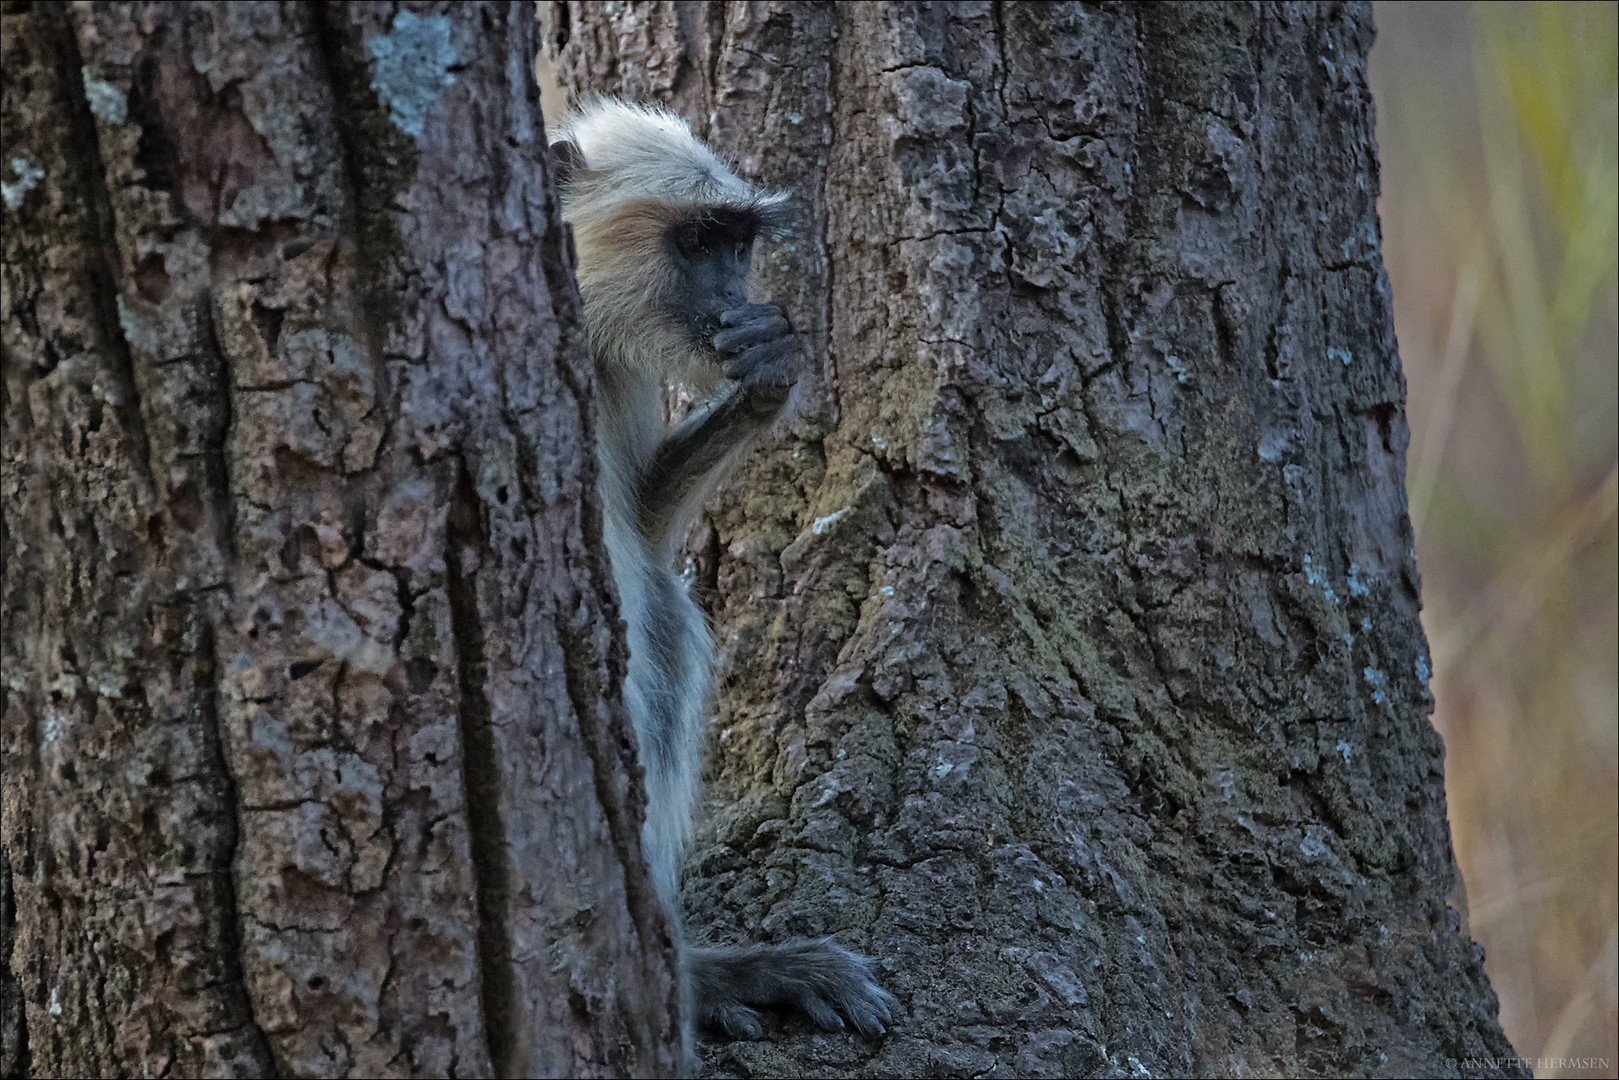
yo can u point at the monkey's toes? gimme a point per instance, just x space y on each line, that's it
845 990
866 1005
834 987
735 1019
822 1014
867 1014
872 1014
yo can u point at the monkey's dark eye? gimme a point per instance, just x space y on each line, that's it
689 239
716 231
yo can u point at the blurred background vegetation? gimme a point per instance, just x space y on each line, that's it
1500 147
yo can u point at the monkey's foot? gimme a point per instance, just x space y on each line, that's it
821 977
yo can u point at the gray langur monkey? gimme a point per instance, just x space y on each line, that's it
664 233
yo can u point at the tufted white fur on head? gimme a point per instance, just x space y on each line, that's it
636 151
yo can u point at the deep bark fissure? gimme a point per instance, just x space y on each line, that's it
824 237
14 1052
481 778
92 177
216 451
232 917
371 155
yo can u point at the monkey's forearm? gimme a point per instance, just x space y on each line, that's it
691 458
759 350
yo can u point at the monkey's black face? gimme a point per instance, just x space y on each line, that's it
714 248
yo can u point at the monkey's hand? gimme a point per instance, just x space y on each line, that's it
821 977
759 350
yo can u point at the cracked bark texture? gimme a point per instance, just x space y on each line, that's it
315 761
1070 655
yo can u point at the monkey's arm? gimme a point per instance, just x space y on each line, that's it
690 460
765 360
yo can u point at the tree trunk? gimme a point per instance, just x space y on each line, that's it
1071 661
315 757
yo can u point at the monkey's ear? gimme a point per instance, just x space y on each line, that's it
566 162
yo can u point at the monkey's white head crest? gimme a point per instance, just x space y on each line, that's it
632 151
632 178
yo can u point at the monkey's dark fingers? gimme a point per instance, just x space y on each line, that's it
772 362
747 313
753 332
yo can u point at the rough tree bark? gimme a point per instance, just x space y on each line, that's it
315 761
1071 661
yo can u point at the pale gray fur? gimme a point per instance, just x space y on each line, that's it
641 168
643 150
635 151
